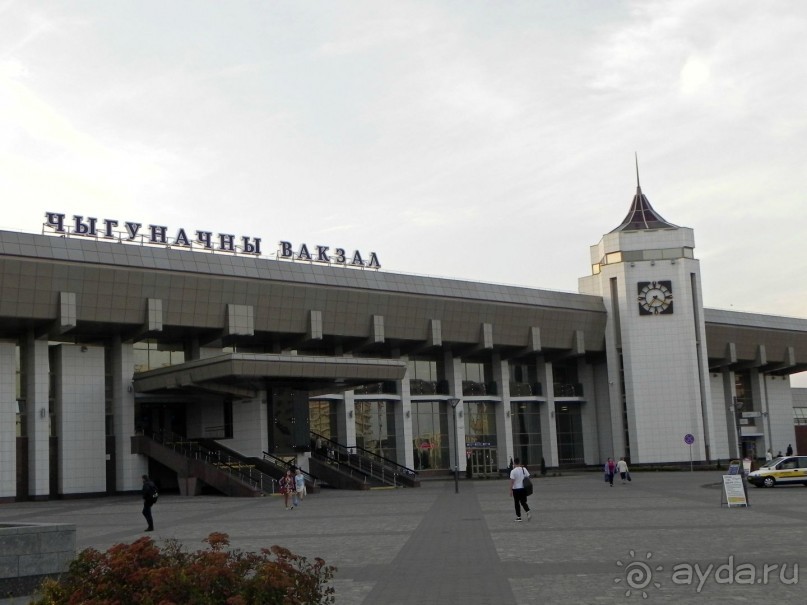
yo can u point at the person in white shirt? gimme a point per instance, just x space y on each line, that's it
517 476
622 469
299 487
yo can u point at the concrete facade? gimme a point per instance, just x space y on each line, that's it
100 340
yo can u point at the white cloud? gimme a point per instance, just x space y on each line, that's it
695 75
497 127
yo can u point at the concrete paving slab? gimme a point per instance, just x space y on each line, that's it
662 538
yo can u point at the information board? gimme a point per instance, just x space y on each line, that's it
734 490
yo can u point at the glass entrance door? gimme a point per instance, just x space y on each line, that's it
483 462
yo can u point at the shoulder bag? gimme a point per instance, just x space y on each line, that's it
527 483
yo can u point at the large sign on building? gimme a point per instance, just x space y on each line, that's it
132 232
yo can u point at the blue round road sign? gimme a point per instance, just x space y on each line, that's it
689 439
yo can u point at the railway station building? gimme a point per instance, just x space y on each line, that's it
112 333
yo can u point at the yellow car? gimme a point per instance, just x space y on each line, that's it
786 470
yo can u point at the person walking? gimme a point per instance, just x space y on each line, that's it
517 491
610 471
789 449
622 469
299 487
768 456
149 492
286 488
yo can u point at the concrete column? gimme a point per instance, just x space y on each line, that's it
80 418
608 402
730 391
456 417
346 413
759 404
504 423
37 383
403 422
588 412
250 426
8 420
782 431
549 433
129 467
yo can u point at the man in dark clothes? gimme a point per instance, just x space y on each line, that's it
148 491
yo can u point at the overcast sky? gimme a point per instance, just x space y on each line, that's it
490 141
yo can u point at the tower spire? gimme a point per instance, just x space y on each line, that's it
641 215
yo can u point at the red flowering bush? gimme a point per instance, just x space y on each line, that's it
142 573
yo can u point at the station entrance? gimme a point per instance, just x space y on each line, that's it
482 462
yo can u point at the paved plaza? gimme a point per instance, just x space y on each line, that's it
663 538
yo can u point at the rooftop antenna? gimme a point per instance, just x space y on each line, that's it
636 156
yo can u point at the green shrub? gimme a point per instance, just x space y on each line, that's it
142 573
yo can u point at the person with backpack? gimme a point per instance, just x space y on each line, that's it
517 489
150 496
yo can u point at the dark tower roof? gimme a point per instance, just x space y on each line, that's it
641 215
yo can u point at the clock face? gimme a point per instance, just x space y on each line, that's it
655 297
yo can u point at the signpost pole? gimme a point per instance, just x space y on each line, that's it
454 402
689 440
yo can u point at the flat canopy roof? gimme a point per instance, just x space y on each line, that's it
244 374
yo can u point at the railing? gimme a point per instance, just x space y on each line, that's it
418 386
245 472
568 390
523 389
364 461
376 388
471 388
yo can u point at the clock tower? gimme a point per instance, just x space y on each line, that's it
646 272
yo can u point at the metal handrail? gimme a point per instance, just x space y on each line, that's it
367 462
229 464
366 452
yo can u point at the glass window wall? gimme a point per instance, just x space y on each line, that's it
322 418
523 380
430 438
476 379
569 426
526 421
375 428
480 424
426 377
148 355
